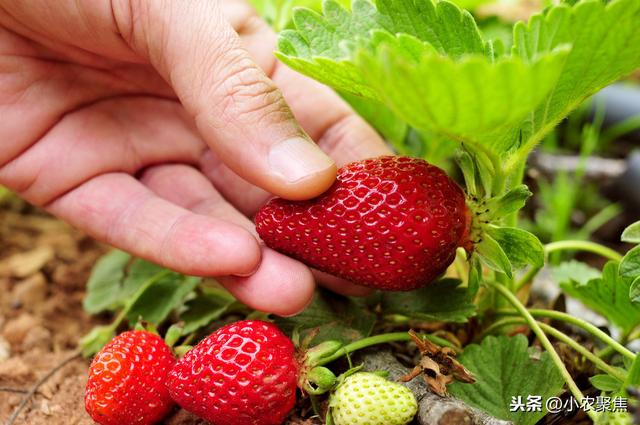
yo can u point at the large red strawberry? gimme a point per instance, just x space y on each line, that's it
243 374
391 223
126 380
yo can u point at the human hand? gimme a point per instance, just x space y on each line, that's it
159 127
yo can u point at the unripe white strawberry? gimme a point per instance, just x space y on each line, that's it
369 399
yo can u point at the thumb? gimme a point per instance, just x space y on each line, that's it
238 110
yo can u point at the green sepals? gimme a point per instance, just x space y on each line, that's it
475 275
606 383
97 338
509 203
479 172
142 325
608 295
507 367
319 380
521 247
181 350
493 256
630 264
632 233
173 334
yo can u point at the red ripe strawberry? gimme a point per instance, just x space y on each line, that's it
391 223
243 374
126 380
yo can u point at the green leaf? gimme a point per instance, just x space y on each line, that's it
493 256
105 285
504 368
429 64
608 296
209 305
335 317
441 301
161 298
630 264
138 274
634 290
574 271
425 60
606 383
521 247
471 99
605 45
380 117
632 233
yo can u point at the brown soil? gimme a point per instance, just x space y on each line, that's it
44 265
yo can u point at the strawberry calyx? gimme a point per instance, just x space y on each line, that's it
314 378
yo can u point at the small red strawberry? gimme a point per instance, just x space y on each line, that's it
126 380
243 374
391 223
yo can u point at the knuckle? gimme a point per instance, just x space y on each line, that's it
246 94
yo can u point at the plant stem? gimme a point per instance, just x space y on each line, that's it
571 245
588 327
542 337
528 276
593 330
597 361
379 339
577 245
560 336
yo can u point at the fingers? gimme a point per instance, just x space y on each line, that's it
279 285
119 210
341 286
322 113
238 109
121 135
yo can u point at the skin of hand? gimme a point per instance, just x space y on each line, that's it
160 127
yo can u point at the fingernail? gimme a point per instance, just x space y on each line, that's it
298 158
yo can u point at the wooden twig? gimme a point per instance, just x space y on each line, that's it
38 384
13 390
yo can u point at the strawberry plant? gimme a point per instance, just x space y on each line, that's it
452 259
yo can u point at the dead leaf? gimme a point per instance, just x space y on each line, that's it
438 366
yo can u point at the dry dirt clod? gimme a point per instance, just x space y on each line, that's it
5 349
29 293
25 264
15 330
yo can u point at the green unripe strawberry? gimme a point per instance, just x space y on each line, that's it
369 399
